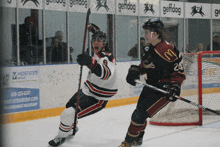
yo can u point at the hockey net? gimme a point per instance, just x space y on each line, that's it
202 86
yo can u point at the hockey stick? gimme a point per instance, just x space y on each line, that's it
81 67
178 97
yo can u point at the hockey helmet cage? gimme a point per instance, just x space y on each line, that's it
100 35
154 25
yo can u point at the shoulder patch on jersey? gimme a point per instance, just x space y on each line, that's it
166 51
106 54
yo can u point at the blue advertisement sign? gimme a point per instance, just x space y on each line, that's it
21 99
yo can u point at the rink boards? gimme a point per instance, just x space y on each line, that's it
34 92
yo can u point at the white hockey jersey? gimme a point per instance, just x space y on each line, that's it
105 86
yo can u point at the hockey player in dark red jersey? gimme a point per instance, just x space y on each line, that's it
163 65
99 87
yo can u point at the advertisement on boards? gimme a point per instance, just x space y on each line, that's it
78 5
126 7
20 89
30 4
8 3
149 8
215 11
172 9
60 5
198 10
102 6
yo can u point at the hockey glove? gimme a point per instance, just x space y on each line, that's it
92 27
173 90
84 59
133 74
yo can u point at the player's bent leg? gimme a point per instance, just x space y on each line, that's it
139 139
66 122
66 126
137 125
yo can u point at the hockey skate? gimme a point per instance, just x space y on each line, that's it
58 140
137 142
125 144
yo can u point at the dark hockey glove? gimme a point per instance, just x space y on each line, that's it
173 90
84 59
92 27
133 74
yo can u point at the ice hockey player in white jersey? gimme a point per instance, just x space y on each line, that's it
99 87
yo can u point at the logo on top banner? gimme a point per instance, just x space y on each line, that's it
102 3
217 12
78 2
172 9
25 1
56 1
149 7
197 10
127 6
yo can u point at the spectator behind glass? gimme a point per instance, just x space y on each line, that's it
57 49
133 52
28 41
199 47
216 45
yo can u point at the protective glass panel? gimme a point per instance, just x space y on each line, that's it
197 35
31 47
76 34
56 45
8 43
173 31
126 32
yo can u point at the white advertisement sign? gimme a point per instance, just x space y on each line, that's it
172 9
20 89
149 8
30 4
215 11
198 10
78 5
102 6
60 5
126 7
8 3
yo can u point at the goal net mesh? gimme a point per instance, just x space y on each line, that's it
182 113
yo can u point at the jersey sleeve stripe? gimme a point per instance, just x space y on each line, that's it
100 91
107 72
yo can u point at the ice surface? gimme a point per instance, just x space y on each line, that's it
108 128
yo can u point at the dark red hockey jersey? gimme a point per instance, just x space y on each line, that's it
162 63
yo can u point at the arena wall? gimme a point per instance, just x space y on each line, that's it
34 92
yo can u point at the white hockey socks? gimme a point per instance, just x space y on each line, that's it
66 122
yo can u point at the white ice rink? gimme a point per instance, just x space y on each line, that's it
108 129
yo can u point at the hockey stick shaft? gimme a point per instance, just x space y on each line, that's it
178 97
81 67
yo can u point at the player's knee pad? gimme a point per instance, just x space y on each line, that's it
139 116
67 116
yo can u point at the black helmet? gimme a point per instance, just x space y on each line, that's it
99 34
154 25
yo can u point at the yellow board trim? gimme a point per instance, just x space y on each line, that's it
39 114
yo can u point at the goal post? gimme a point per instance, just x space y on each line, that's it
202 86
